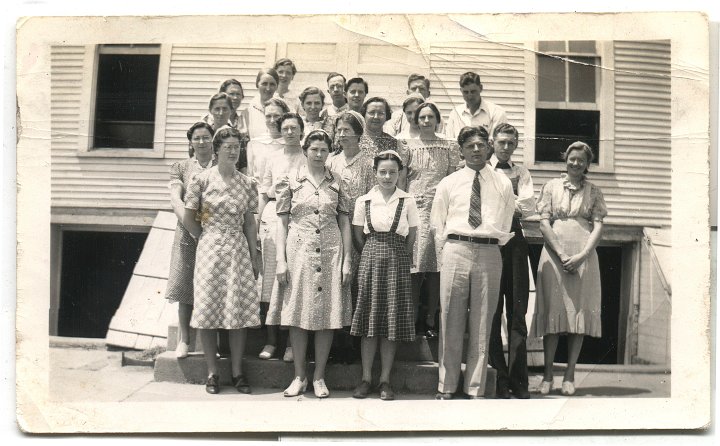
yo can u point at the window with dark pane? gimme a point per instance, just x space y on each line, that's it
125 100
556 129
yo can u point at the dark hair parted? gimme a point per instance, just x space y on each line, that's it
387 156
225 85
317 135
388 110
357 80
191 131
310 91
277 102
469 78
270 72
507 129
220 97
285 62
468 132
334 74
222 134
580 147
418 77
294 116
425 105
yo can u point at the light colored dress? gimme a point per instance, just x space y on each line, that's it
182 259
428 163
277 167
314 298
225 295
569 303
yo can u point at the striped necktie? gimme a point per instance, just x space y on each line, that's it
474 217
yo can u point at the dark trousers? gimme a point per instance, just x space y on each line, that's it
514 289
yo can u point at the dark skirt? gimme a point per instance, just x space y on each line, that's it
384 306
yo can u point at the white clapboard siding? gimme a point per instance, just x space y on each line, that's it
501 67
196 72
136 183
641 182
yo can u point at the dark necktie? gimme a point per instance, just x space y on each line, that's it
502 166
474 218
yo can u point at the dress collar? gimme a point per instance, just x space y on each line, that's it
376 195
571 187
303 174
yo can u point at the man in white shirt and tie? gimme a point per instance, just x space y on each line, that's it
515 284
476 111
471 216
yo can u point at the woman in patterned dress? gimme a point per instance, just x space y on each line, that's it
384 223
182 260
219 207
312 100
568 299
376 111
432 158
278 166
313 260
267 81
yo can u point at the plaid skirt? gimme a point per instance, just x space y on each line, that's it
384 305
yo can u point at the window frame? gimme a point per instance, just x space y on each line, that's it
89 97
605 104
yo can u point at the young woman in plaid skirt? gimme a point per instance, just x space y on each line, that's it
384 225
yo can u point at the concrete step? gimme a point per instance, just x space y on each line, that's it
416 377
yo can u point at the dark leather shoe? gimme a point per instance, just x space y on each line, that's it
362 390
213 384
241 384
444 396
502 392
521 394
386 392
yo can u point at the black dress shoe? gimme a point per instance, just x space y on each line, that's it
444 396
522 394
502 392
213 384
240 382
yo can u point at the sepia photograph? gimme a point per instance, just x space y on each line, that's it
400 222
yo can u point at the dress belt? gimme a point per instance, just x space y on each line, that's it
271 199
481 240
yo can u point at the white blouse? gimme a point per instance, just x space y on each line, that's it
383 214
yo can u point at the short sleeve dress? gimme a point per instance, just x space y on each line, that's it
225 296
314 298
182 259
569 303
429 162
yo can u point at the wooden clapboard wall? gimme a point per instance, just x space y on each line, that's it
144 314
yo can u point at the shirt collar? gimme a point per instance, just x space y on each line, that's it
375 194
484 172
466 109
569 186
303 174
494 161
354 159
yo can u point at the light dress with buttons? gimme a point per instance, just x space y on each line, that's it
224 292
314 297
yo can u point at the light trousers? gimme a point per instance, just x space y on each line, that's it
469 286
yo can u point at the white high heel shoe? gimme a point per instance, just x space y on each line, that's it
568 388
321 390
296 387
546 387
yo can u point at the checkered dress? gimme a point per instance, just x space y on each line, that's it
384 305
225 294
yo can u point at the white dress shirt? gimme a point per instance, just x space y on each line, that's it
258 151
488 116
520 178
383 214
451 206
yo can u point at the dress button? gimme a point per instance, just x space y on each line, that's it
317 249
317 193
318 269
317 231
316 212
319 288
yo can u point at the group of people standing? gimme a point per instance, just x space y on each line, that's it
310 217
